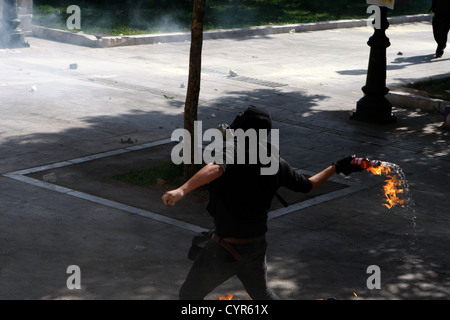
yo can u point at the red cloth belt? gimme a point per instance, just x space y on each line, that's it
226 243
242 240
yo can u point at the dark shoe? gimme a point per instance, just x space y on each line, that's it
440 51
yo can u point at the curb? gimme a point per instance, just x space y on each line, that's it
114 41
419 103
77 39
415 102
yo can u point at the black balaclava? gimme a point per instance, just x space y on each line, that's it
253 118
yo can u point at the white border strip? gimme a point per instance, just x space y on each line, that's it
316 200
91 157
106 202
351 188
20 175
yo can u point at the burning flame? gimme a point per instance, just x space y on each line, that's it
391 188
226 297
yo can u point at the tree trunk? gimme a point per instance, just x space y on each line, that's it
193 89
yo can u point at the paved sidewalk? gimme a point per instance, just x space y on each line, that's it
310 82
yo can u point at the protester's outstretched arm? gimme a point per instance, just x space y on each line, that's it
322 176
208 173
344 166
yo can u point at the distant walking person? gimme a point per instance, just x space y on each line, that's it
441 24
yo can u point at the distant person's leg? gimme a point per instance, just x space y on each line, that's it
440 32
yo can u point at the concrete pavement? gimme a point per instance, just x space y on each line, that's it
54 116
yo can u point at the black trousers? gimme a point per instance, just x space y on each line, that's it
215 264
441 26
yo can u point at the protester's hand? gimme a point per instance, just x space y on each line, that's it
173 196
346 167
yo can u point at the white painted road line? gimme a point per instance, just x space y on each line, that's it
20 175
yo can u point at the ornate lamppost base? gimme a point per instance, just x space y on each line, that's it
366 113
12 35
17 39
374 109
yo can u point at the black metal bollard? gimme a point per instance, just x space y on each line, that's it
374 107
11 35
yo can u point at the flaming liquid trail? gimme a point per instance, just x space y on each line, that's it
226 297
394 186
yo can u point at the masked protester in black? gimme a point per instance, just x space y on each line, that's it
240 198
441 24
